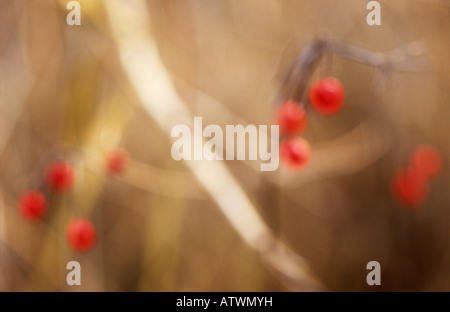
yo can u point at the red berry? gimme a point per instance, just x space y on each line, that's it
291 117
427 160
32 205
295 153
410 187
116 161
81 235
327 96
59 176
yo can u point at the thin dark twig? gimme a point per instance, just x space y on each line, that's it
308 61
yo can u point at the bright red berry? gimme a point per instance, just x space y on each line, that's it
410 187
59 176
32 205
427 160
117 161
295 153
291 117
327 96
81 235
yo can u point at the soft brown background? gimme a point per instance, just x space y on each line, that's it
63 93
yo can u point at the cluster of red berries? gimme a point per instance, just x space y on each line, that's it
59 178
410 185
326 96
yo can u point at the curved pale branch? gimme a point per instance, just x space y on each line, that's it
141 61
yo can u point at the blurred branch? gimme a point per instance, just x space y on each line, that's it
142 63
162 182
403 59
354 150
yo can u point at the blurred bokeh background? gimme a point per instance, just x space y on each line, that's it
64 94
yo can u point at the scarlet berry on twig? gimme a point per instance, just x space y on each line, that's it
59 176
427 160
327 96
81 235
291 117
295 153
117 161
410 187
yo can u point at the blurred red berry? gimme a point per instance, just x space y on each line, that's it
410 187
291 117
81 235
59 176
32 205
427 160
295 153
327 96
116 161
